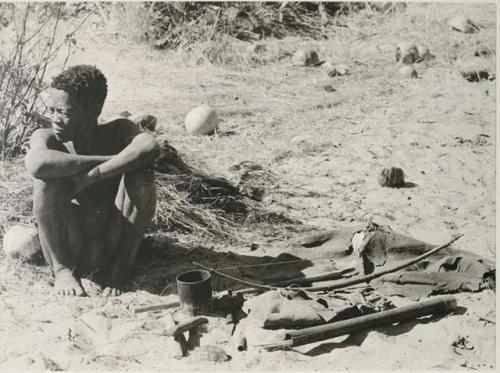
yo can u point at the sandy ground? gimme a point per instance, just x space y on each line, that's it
322 152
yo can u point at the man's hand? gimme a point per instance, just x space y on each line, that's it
83 180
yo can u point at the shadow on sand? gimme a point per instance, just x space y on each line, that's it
160 262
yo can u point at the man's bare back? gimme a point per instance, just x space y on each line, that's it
94 196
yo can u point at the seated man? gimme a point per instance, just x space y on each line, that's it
94 195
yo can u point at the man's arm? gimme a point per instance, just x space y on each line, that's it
140 152
140 149
47 158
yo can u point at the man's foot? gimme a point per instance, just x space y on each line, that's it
111 292
66 284
117 279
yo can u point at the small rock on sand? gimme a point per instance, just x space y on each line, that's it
305 57
424 54
406 53
388 6
329 88
483 51
336 70
408 71
474 69
391 177
256 49
463 24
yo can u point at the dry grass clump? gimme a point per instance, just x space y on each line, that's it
190 201
16 202
186 203
209 30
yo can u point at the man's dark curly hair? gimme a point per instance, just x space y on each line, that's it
85 84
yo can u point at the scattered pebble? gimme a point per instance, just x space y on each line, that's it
483 52
463 24
391 177
305 57
474 69
406 53
256 49
327 66
329 88
21 242
388 6
408 71
462 343
338 70
424 54
202 120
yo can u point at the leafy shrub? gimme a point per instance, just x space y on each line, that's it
28 45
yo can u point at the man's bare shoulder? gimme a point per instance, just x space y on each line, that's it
119 132
121 127
43 136
43 133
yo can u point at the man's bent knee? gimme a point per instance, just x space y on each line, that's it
136 197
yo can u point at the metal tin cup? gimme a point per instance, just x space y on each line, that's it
195 292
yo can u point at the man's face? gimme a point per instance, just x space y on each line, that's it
67 116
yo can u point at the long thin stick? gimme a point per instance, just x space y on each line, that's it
368 278
244 282
156 307
334 275
340 284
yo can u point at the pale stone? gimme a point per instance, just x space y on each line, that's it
305 57
406 53
463 24
408 71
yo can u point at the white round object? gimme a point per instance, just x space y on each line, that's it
328 66
406 53
338 70
202 120
21 241
463 24
408 71
305 57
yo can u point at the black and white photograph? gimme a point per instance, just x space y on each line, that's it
248 186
